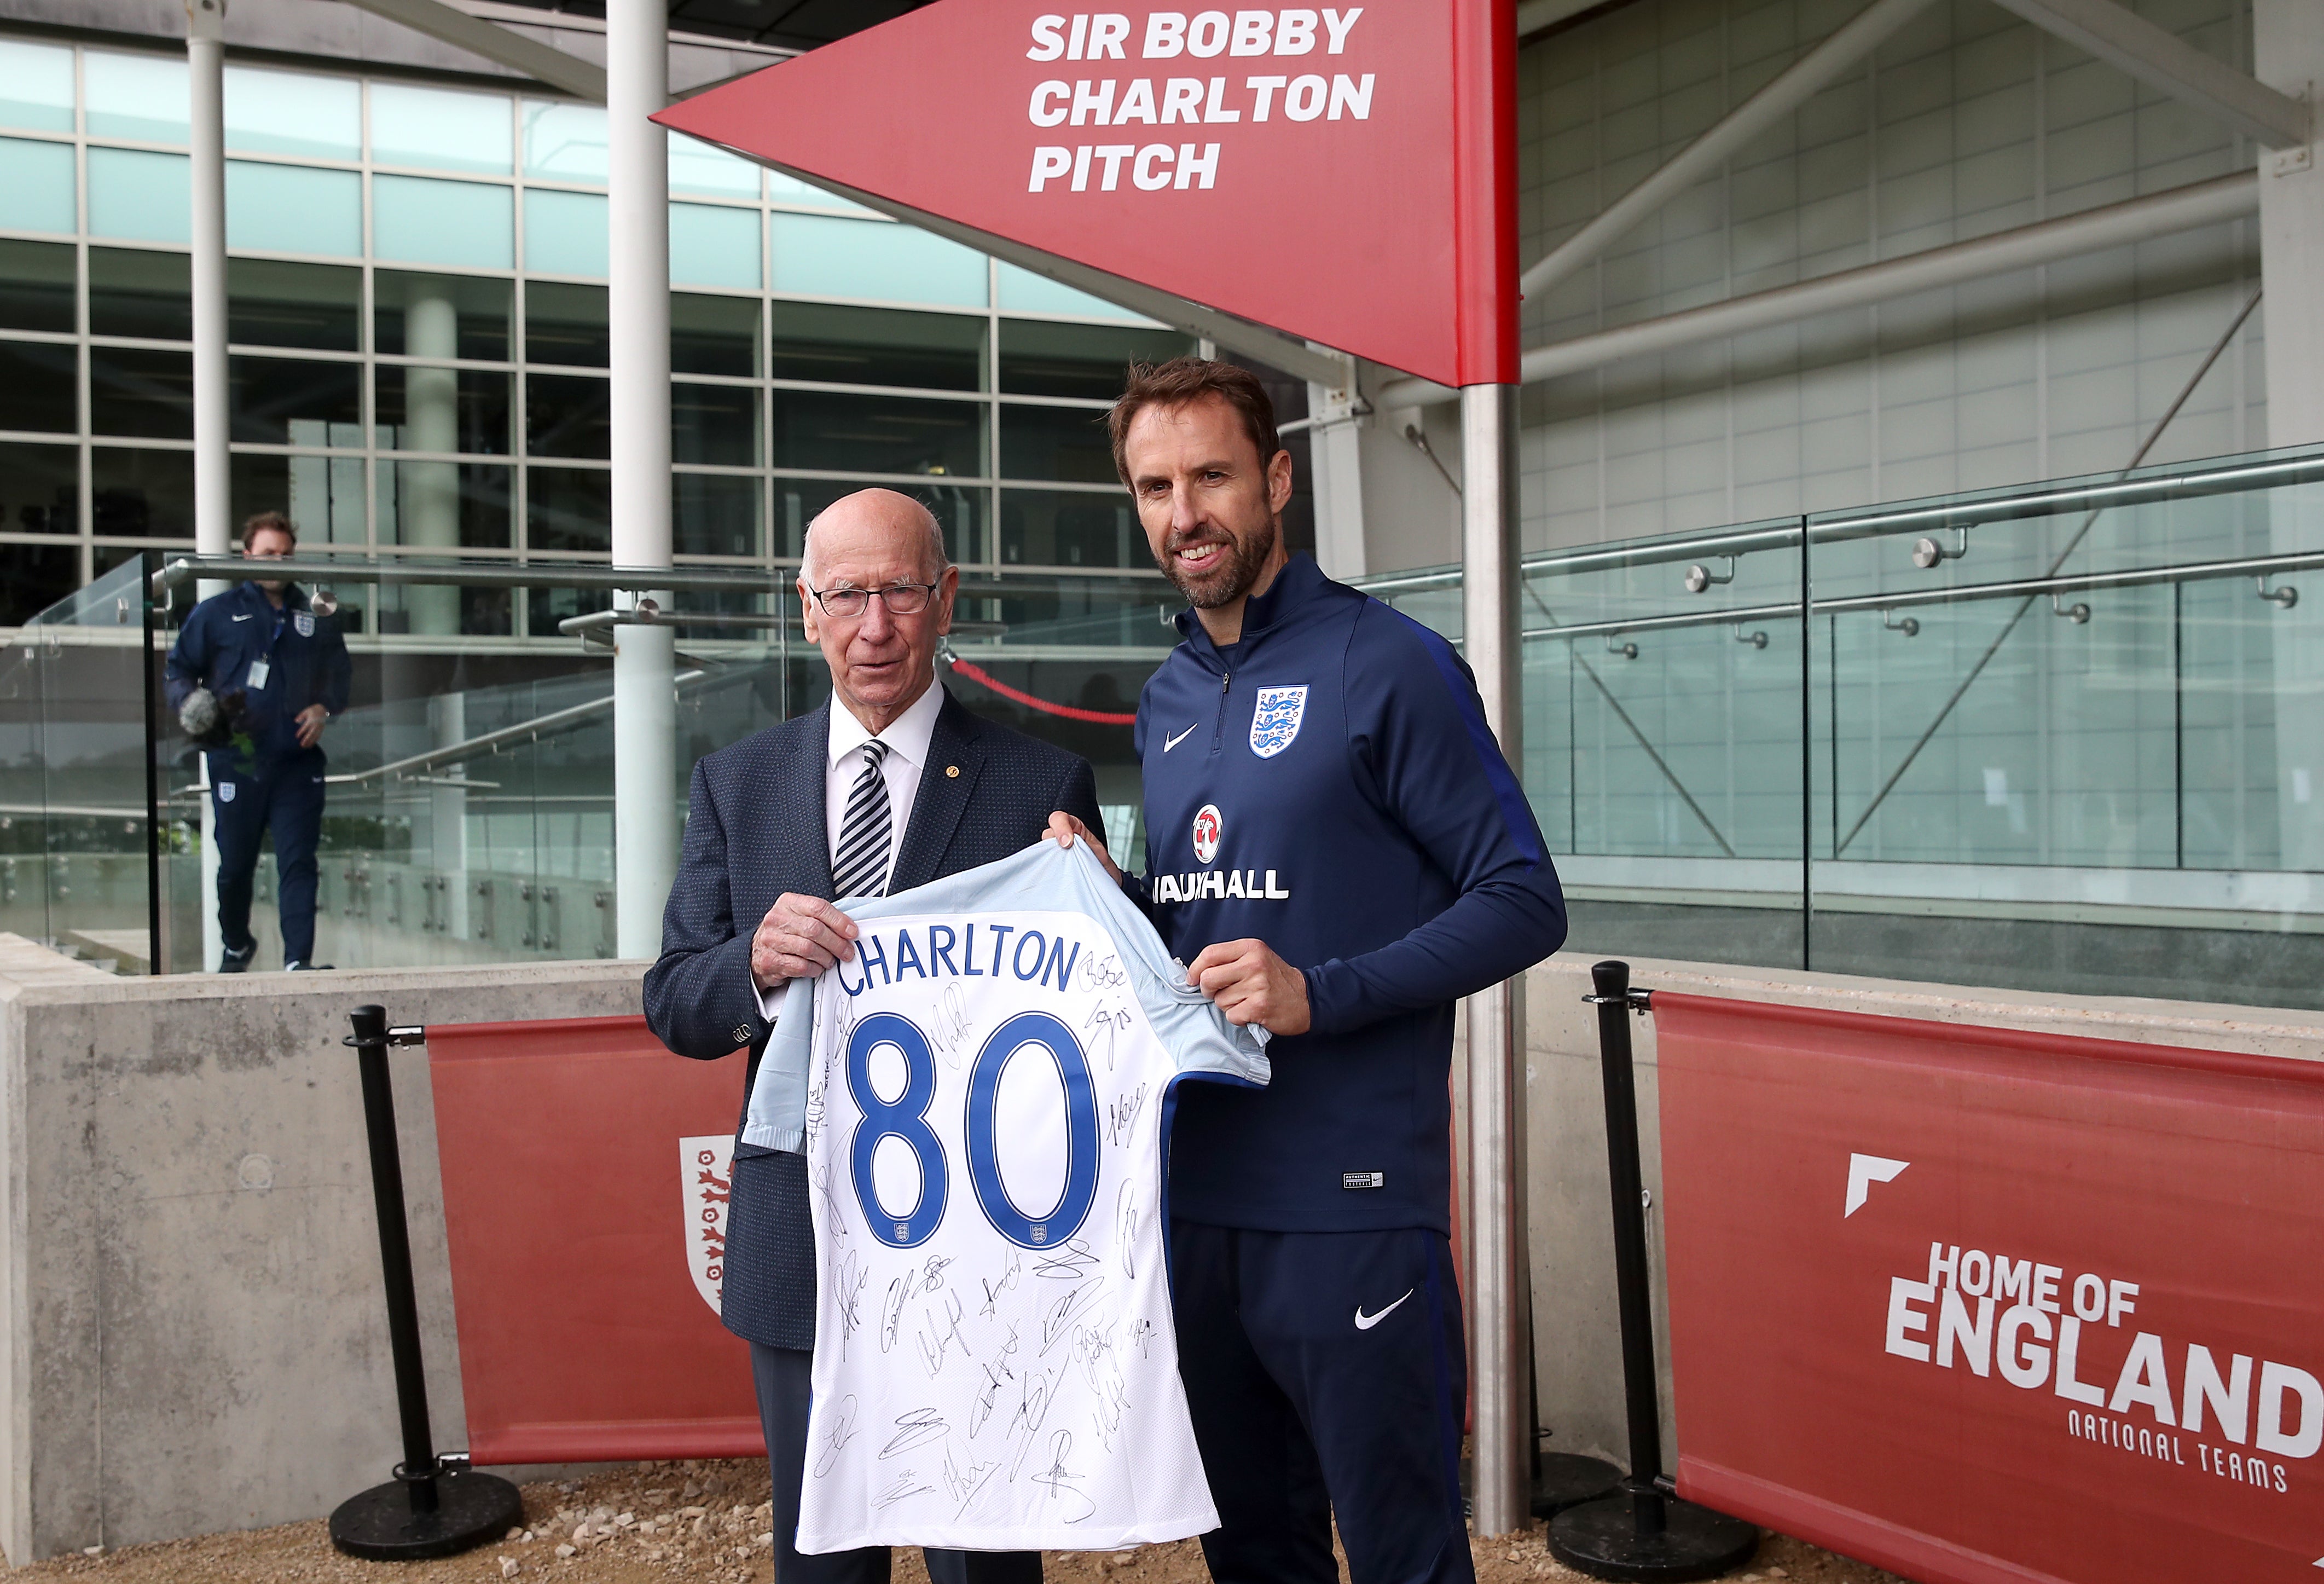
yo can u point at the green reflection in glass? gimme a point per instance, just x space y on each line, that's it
714 335
139 197
142 97
293 209
876 346
565 233
1091 361
440 316
566 143
36 86
877 434
713 246
36 286
417 221
133 293
36 185
822 257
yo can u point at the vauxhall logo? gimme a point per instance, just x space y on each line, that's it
1209 829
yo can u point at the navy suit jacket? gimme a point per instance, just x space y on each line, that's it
755 829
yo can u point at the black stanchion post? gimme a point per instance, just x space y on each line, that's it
435 1506
1642 1533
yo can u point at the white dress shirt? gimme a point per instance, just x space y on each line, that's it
907 737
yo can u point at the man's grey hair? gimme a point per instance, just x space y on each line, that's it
938 559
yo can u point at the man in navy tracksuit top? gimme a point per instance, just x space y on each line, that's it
279 670
1337 847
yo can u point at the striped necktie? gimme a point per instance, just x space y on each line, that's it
860 869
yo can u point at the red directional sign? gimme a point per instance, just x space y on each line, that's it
1343 175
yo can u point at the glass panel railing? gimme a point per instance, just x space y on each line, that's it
75 864
2051 738
468 809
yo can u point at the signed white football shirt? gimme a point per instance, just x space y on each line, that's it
983 1095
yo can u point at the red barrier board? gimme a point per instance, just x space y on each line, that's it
585 1172
1978 1304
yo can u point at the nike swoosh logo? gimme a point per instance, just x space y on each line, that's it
1365 1323
1170 743
242 618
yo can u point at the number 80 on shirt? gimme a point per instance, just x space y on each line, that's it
905 1119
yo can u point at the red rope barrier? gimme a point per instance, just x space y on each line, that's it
977 673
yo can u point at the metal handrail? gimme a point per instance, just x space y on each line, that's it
179 570
1831 528
2015 587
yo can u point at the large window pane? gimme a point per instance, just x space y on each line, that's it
712 335
35 577
566 415
566 142
416 220
36 86
696 167
567 508
142 97
323 496
440 316
877 434
40 489
146 294
565 233
1045 528
1079 360
876 346
142 494
36 286
959 508
275 401
293 113
716 424
444 506
293 209
139 197
36 387
824 257
275 304
446 609
439 129
442 410
565 324
36 185
711 246
714 513
1064 443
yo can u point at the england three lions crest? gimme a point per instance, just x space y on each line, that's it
705 1176
1275 723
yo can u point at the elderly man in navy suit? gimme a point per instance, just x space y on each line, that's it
890 785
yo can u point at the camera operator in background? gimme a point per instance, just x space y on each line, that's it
254 675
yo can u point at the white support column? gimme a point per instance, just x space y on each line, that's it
1500 1280
645 715
212 494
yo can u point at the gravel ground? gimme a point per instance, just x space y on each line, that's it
709 1522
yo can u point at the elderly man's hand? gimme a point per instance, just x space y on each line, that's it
800 937
1064 828
1251 985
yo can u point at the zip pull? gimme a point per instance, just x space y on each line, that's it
1219 733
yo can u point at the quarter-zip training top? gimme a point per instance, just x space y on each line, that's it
1327 785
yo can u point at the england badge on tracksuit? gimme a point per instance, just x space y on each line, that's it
304 621
1275 722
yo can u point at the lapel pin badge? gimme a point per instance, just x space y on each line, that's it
953 771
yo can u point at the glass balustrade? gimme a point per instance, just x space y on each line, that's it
2063 738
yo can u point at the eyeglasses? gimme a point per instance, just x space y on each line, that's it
900 598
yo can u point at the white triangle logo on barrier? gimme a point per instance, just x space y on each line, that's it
1863 1172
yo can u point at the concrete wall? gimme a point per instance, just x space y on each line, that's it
189 1259
1576 1337
188 1262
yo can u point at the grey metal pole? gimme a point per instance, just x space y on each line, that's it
1500 1372
645 717
213 491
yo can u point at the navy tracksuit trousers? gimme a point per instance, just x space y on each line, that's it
1326 1376
287 799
